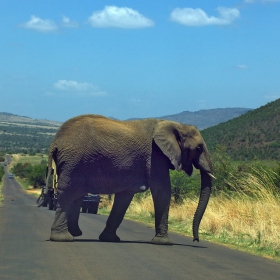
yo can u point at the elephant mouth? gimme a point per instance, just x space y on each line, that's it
197 166
188 169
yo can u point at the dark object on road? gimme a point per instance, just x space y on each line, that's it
52 198
41 200
11 176
90 203
47 198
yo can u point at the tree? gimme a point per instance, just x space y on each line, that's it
182 185
222 168
37 175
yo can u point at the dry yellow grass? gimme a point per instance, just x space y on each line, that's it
248 217
247 222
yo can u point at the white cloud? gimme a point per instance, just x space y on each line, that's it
40 25
66 22
80 88
197 17
112 16
242 66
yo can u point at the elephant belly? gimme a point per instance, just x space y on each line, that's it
103 176
109 184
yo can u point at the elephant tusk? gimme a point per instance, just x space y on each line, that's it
211 175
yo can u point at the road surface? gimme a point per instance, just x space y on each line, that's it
27 253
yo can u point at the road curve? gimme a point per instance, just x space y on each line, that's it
27 253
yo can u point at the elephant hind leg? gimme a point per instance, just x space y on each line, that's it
59 230
121 203
73 215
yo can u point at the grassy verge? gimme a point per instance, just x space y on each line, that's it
246 225
32 159
1 183
1 195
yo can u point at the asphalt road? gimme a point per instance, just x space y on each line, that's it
27 253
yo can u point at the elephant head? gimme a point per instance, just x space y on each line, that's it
185 148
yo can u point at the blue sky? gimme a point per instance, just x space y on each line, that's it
136 59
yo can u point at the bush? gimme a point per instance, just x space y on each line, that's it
22 169
1 172
35 174
222 168
182 185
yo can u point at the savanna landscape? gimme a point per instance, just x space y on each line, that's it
243 211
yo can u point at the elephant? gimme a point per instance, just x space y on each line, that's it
95 154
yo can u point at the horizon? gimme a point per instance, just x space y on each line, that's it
249 109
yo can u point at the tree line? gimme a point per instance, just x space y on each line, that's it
34 174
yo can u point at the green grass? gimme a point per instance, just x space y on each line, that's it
22 158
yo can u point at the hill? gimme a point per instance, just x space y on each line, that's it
254 135
11 118
24 134
206 118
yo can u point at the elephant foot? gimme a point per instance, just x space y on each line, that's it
61 236
108 237
162 240
75 231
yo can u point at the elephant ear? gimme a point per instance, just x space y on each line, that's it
165 136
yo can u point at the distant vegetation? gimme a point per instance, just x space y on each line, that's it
2 156
254 135
1 172
2 159
206 118
25 135
15 138
34 174
29 169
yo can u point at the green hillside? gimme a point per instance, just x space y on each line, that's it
254 135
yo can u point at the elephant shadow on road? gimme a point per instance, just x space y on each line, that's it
138 242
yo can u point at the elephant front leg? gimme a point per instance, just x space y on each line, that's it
73 215
161 200
121 203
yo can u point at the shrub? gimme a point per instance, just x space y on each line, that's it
35 174
182 185
22 169
1 172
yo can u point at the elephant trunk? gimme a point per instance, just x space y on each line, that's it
206 185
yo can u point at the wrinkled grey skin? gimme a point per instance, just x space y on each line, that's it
94 154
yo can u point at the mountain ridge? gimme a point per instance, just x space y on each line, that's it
201 119
24 134
254 135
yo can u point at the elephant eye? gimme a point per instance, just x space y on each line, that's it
199 148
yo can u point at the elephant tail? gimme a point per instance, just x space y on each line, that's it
51 174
